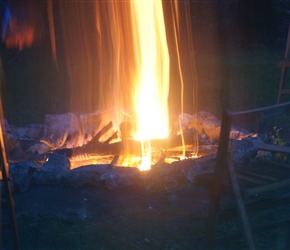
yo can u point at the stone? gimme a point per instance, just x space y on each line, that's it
198 119
121 177
31 131
21 174
74 129
52 171
39 148
243 150
86 176
181 123
206 123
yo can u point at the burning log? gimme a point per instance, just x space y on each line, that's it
129 146
85 136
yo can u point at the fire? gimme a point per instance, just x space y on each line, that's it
135 66
131 75
152 82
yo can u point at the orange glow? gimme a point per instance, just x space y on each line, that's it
152 81
134 64
120 63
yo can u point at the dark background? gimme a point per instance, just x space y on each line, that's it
36 85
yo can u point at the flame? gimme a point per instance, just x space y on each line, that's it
125 65
152 82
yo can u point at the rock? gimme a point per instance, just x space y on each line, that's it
31 131
11 142
21 176
53 171
39 148
181 123
243 150
87 176
74 130
13 148
198 119
264 155
121 177
206 123
212 127
163 177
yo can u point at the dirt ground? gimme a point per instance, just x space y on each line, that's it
67 218
56 217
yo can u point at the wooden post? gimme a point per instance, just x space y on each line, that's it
5 174
284 64
221 163
241 207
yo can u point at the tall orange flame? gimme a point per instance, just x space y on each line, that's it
132 71
152 82
138 62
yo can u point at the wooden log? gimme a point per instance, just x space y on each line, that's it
130 147
104 130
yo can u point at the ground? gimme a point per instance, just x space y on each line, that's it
51 217
68 218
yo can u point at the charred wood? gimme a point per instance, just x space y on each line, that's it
130 147
104 130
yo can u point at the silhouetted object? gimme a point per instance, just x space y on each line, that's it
22 26
285 64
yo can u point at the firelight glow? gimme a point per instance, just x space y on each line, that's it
152 82
117 59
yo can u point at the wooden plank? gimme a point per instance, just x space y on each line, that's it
285 91
271 147
258 175
257 206
287 244
282 90
259 113
269 187
284 63
287 50
241 207
221 163
4 167
251 179
282 165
